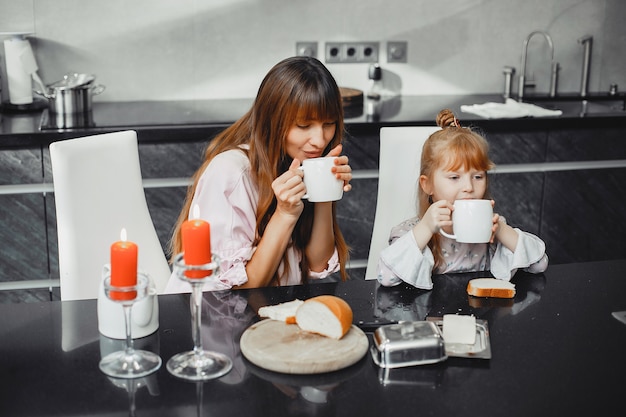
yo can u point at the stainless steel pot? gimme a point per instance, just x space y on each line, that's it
72 95
68 120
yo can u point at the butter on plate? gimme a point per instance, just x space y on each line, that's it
459 329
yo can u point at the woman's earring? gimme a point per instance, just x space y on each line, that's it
430 199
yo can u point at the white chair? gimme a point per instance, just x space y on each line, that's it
398 174
98 191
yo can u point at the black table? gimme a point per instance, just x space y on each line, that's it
556 350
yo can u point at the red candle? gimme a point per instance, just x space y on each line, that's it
123 267
196 235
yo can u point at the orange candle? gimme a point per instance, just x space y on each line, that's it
123 267
196 235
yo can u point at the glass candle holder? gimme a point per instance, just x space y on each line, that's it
129 363
197 364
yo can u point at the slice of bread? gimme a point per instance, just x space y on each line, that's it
326 315
281 312
491 287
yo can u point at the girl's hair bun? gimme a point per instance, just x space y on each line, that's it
445 118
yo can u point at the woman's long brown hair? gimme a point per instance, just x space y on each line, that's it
295 88
450 148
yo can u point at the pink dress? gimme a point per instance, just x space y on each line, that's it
227 198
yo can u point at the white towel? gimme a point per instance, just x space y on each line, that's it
511 109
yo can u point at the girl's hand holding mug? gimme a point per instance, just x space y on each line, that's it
438 216
496 223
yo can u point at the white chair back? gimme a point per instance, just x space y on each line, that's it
98 191
398 174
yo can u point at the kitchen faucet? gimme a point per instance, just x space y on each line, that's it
586 42
554 65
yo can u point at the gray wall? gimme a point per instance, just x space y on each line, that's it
203 49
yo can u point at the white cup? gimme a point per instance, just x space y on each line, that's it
144 317
472 221
321 183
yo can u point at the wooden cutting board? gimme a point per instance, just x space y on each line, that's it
281 347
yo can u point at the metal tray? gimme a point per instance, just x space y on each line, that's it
480 349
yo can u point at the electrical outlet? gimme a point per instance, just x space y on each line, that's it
397 51
350 52
334 52
369 52
306 49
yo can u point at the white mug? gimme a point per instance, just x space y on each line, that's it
144 317
321 183
472 221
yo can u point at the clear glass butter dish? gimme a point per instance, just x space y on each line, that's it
408 343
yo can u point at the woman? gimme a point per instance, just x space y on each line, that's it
250 188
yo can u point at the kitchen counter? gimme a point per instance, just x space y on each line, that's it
156 121
556 349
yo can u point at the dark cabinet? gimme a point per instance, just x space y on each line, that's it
23 224
170 160
517 147
586 144
583 214
576 211
584 217
518 196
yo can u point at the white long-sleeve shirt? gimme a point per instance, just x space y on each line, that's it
228 198
403 261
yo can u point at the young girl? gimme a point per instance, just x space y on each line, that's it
454 166
250 188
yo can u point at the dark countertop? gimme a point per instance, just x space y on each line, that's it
171 121
556 350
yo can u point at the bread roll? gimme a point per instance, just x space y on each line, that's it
490 287
326 315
